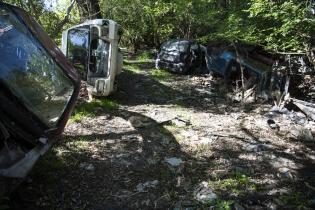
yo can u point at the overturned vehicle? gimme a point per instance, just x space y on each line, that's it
92 47
39 88
181 56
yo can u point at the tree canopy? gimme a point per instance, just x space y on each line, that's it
278 25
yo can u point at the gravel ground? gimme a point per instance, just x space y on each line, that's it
176 142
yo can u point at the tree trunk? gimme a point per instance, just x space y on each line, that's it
222 4
89 9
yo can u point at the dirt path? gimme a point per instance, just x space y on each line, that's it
173 142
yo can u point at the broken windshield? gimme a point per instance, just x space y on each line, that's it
30 72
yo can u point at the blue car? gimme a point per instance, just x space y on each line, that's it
226 64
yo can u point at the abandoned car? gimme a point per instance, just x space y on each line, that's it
92 47
39 88
226 64
181 56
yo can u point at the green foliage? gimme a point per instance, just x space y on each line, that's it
223 204
284 25
49 18
277 25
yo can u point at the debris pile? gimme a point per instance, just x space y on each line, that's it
294 74
84 93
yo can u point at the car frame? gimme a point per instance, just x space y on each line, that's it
181 56
39 89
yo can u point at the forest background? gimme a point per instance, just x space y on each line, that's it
286 26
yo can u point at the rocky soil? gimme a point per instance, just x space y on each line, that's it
176 142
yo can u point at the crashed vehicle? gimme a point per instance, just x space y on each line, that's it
224 62
181 56
92 47
39 88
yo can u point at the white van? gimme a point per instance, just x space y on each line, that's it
92 47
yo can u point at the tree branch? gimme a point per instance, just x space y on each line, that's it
65 20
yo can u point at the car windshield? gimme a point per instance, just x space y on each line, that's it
29 72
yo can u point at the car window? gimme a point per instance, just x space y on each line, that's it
176 45
30 72
78 43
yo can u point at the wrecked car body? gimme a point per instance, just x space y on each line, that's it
226 64
92 47
39 88
180 56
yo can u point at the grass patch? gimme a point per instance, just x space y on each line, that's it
133 68
89 109
160 75
145 56
238 184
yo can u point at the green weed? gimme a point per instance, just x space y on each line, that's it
89 109
238 184
223 204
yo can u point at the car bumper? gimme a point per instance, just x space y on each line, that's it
173 67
